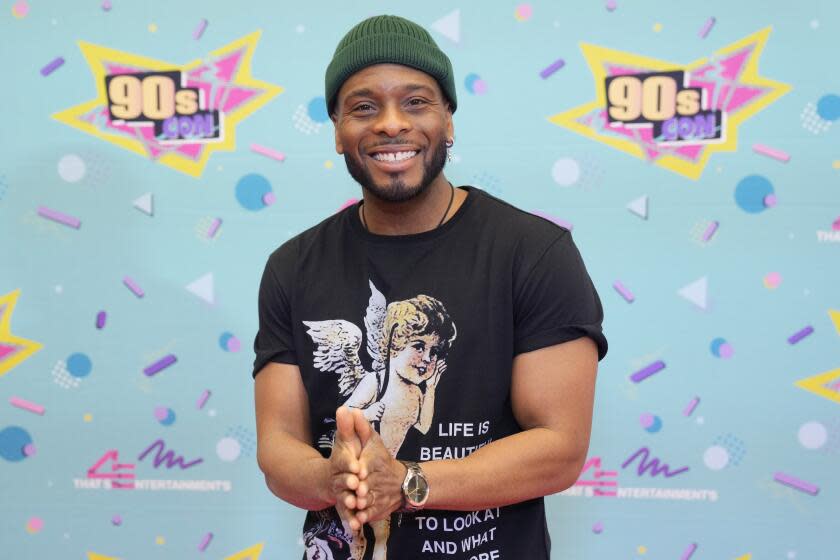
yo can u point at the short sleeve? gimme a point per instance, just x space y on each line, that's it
556 301
275 341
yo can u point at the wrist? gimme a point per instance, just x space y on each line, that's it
323 490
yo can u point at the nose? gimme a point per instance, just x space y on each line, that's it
427 356
392 121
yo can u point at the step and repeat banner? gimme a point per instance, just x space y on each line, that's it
153 154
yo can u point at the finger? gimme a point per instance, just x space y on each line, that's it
348 517
344 425
361 517
348 500
342 460
362 489
362 427
346 437
351 482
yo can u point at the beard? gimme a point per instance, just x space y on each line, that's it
397 190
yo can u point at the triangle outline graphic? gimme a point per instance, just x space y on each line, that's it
816 384
834 315
250 553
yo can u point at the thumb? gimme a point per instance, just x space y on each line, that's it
345 430
362 427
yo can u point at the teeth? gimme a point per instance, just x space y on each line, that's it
393 156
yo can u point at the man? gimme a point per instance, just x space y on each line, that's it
426 359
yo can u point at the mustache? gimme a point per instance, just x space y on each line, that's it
395 141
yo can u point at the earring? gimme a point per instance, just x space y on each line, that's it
449 143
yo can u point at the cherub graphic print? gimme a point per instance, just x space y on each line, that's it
407 342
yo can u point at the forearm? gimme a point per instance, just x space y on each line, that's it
527 465
295 472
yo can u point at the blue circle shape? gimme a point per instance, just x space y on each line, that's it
170 418
828 107
79 365
656 426
223 340
317 110
750 193
250 191
12 441
470 80
715 346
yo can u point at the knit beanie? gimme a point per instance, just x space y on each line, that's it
388 39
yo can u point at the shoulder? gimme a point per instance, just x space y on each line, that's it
527 234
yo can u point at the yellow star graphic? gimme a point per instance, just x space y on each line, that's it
88 116
600 59
13 349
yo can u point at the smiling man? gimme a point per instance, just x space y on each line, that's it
426 359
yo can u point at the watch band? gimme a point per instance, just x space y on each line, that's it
415 488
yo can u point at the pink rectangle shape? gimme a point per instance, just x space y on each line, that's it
133 286
202 546
273 154
214 227
771 152
625 293
689 552
704 31
797 484
59 217
203 399
691 406
26 405
202 25
710 230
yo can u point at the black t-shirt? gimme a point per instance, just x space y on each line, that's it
420 332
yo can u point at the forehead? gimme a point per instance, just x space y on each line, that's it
432 338
384 79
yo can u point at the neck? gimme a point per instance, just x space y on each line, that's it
422 213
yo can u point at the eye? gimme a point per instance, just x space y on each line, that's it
417 102
419 345
362 108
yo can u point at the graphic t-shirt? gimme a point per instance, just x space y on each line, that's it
419 332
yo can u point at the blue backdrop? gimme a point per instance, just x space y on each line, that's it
152 155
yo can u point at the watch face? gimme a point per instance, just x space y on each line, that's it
417 489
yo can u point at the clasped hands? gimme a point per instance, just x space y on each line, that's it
365 480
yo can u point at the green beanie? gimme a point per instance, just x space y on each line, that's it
388 39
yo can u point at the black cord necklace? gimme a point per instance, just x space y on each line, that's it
448 206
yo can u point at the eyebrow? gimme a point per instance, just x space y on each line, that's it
367 92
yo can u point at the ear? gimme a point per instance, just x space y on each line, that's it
339 147
450 126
